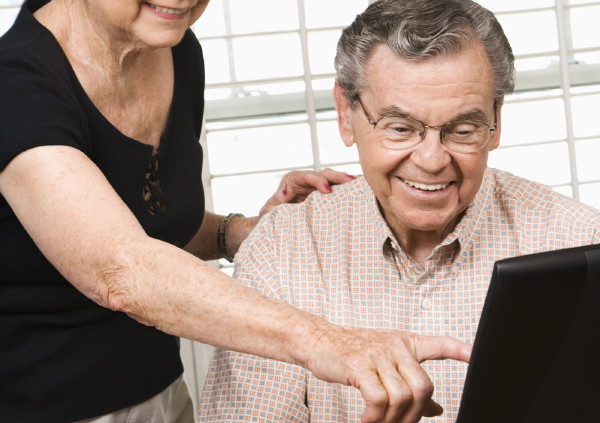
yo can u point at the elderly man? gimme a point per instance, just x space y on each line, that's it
411 245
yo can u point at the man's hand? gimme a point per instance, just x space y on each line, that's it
385 367
295 186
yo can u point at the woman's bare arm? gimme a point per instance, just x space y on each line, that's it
294 187
84 229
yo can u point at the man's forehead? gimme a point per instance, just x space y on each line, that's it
460 81
470 65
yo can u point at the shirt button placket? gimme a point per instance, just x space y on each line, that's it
426 304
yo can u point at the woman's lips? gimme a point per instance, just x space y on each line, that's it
166 12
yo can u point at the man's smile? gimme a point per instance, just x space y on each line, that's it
426 187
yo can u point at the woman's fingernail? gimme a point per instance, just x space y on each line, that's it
328 188
285 189
350 176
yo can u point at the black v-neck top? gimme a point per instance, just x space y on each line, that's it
63 357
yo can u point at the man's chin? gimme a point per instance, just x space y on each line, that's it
427 221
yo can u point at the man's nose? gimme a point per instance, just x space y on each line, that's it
430 155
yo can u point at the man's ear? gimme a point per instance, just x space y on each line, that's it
495 141
342 106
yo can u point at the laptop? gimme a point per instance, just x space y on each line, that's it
536 355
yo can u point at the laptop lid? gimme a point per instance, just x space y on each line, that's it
536 355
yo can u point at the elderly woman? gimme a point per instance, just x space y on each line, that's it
103 228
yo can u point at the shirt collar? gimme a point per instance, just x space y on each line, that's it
466 229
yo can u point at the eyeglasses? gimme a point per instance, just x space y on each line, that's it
459 136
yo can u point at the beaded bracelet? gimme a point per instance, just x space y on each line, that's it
222 233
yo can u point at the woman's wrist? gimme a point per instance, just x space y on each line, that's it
233 230
304 336
224 248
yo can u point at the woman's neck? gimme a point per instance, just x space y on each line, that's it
88 43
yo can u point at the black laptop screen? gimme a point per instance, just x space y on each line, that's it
536 355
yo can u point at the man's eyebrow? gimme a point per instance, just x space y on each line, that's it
395 112
474 114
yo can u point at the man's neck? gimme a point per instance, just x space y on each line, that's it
419 244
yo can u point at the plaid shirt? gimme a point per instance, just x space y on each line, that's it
335 256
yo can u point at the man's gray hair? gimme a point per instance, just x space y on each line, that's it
419 30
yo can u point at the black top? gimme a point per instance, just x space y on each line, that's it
63 357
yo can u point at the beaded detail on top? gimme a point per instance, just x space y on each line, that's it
152 193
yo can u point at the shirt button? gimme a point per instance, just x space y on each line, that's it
426 304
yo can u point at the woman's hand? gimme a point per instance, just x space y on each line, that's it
295 186
385 367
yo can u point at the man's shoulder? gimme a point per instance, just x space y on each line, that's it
536 199
299 224
345 197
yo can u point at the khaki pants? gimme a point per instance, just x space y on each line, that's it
173 405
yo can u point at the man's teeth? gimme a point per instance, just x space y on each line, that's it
166 9
426 187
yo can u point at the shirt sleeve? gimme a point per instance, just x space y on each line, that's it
258 262
38 108
596 237
243 387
